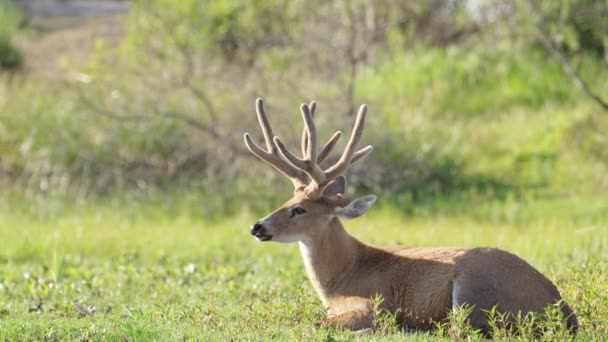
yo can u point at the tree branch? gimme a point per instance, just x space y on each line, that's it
569 70
563 61
190 121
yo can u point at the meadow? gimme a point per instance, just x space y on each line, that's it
141 270
126 193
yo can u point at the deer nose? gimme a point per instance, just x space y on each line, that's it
256 228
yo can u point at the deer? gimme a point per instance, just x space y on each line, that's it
419 286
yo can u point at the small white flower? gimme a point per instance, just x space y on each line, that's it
190 268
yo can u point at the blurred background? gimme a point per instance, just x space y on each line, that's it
469 101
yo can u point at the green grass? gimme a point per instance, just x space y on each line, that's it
153 271
474 148
477 144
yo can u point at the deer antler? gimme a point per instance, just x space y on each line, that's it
299 170
330 144
309 164
271 156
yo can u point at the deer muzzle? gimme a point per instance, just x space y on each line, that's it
259 231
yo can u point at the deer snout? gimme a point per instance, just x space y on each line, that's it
256 228
260 232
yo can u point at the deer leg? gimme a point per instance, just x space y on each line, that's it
475 291
352 320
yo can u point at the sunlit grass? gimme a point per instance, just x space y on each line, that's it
146 272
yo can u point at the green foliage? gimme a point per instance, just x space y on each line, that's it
423 148
11 57
384 321
487 82
576 26
456 326
166 110
487 122
117 186
236 31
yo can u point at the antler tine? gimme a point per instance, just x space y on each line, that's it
313 107
361 153
306 165
309 141
311 131
272 157
298 178
328 147
264 123
287 155
321 156
309 163
347 156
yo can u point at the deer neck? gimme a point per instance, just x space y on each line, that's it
330 258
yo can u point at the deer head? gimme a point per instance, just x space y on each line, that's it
318 193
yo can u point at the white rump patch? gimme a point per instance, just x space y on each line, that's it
456 290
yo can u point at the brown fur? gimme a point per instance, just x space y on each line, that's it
416 284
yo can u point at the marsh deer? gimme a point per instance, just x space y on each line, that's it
418 285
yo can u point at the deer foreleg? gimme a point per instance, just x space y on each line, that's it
352 320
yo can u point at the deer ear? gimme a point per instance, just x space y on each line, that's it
356 207
335 188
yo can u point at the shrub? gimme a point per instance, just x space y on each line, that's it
10 56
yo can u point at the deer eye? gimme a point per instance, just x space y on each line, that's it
296 211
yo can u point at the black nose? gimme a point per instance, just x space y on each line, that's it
256 228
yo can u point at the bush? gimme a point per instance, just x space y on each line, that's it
10 56
168 108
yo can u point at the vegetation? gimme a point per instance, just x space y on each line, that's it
126 186
141 271
10 55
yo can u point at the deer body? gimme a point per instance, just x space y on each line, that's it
418 285
414 283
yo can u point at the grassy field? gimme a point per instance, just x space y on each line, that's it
154 270
481 142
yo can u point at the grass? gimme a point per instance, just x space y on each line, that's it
143 271
518 155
